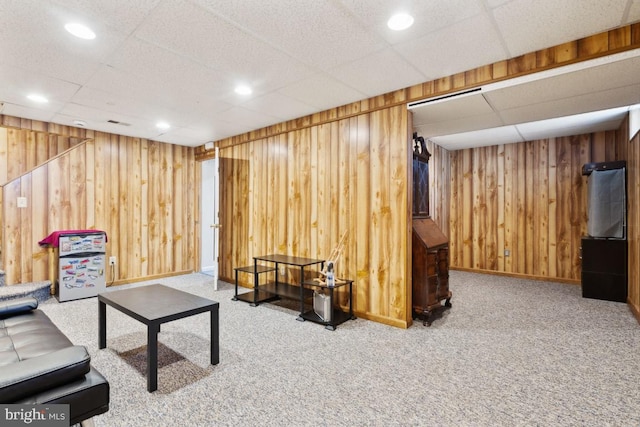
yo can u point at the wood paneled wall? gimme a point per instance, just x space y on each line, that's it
297 193
528 199
633 223
143 193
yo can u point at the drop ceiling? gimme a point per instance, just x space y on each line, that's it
178 61
580 98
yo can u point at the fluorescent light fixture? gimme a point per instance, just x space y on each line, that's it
243 90
400 21
163 125
80 31
38 98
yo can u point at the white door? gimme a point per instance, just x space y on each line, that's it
210 230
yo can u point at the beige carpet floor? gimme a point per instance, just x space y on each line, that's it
509 353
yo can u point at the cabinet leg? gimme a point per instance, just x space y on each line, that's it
447 303
426 318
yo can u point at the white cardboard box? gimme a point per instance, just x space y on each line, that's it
322 306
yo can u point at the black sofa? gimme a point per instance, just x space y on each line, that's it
39 365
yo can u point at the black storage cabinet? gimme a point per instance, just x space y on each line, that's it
604 269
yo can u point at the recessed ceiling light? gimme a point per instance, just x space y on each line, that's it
80 31
400 21
80 123
37 98
243 90
163 125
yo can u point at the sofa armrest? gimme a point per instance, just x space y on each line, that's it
21 379
17 306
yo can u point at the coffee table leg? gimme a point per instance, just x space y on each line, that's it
102 324
215 336
152 357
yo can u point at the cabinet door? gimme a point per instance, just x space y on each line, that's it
604 255
604 269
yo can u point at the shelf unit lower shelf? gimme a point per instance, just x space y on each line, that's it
256 298
271 292
337 317
285 290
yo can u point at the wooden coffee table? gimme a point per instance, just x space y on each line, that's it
154 305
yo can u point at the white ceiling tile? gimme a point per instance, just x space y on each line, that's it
215 43
588 102
33 37
462 106
459 47
159 66
459 124
222 129
124 15
280 106
27 112
240 114
596 79
95 117
187 136
322 92
573 125
481 138
531 25
380 65
25 82
429 15
307 30
634 12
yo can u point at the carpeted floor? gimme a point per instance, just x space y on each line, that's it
510 352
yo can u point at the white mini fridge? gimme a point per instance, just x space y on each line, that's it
81 265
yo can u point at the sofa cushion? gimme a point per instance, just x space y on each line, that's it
29 335
36 374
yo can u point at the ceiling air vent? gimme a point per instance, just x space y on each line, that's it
443 97
115 122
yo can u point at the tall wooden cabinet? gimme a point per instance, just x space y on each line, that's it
430 269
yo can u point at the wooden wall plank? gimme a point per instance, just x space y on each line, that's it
510 224
28 240
552 185
39 229
363 208
4 158
11 240
177 214
466 198
500 213
492 221
530 211
520 209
